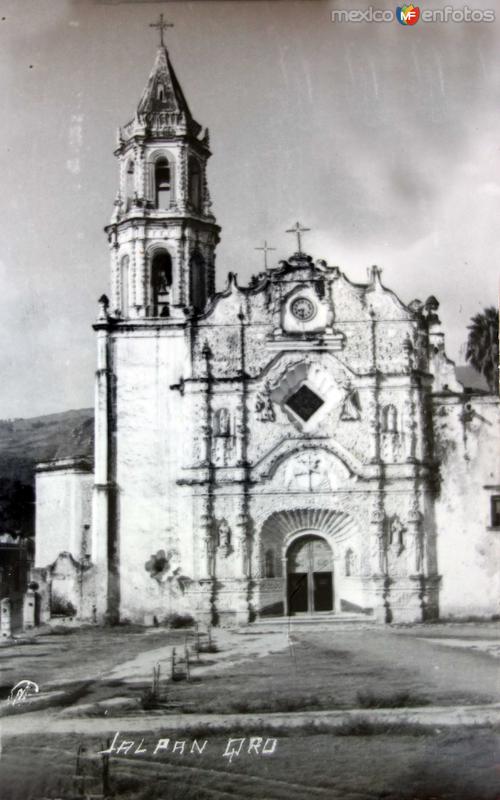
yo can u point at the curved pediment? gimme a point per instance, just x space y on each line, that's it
310 465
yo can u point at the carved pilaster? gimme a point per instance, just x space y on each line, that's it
373 403
206 426
177 288
380 578
373 444
244 528
141 282
182 182
208 538
116 288
415 544
207 203
101 511
410 414
378 548
123 177
207 517
211 273
133 279
141 186
242 408
184 287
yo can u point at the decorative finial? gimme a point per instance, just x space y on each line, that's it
297 229
266 249
162 26
103 307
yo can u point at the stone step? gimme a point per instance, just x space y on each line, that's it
311 620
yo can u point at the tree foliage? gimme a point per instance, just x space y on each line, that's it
482 345
17 507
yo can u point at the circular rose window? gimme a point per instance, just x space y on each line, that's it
303 309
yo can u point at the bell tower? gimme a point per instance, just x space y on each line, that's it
162 238
162 233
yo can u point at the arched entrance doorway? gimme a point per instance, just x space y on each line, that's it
309 575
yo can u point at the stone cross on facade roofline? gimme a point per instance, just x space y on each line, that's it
297 229
162 26
266 249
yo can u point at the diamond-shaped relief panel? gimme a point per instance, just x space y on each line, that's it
304 402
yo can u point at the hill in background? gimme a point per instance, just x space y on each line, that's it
26 442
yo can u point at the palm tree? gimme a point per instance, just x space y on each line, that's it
482 345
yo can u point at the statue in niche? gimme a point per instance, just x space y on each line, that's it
389 419
351 407
225 537
223 440
350 566
210 545
396 535
264 405
222 422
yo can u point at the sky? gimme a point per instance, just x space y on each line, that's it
381 138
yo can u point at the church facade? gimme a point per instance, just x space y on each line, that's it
299 445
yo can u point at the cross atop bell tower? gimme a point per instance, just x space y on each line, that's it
163 233
161 25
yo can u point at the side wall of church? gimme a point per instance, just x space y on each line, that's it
63 512
154 528
467 436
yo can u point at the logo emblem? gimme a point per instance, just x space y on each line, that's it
408 15
21 691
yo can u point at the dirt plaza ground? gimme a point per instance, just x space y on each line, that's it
105 676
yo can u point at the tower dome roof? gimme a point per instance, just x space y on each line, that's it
163 109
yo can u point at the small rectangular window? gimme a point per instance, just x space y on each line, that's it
495 511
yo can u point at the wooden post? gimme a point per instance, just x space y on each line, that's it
79 778
197 646
156 681
105 771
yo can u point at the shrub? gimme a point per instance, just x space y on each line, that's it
149 699
175 620
61 607
396 700
364 727
60 630
207 647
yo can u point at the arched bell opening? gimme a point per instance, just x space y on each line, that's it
129 184
194 184
161 283
124 286
163 196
